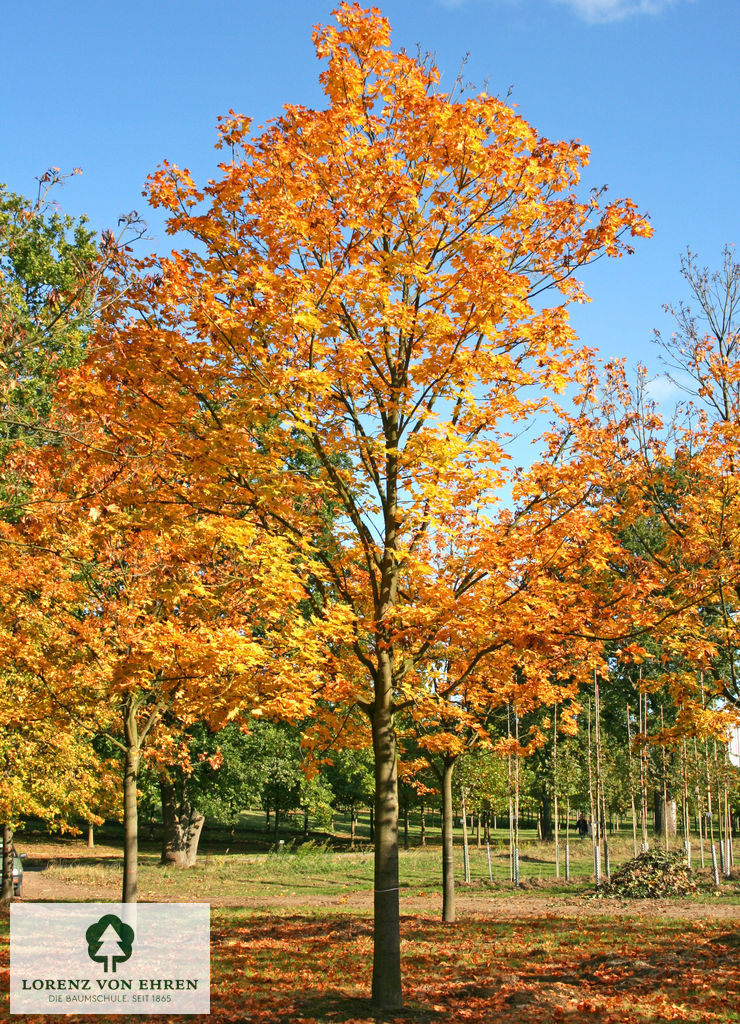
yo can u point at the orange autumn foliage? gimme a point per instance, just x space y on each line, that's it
336 363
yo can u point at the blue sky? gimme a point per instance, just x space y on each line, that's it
650 85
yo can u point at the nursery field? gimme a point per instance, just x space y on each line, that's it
248 872
292 936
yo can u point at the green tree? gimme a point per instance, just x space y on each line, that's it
351 777
51 271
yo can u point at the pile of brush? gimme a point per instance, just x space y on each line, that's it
652 875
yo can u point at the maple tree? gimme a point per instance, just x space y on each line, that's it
554 585
50 768
137 632
49 772
679 495
675 491
365 284
92 589
50 272
700 504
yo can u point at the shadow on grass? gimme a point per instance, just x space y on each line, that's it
294 969
290 970
347 1010
40 864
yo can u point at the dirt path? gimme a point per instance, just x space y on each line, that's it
38 886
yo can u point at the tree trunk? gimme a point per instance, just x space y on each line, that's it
545 818
90 836
659 804
182 824
448 864
423 827
372 824
6 892
134 740
130 824
466 849
386 985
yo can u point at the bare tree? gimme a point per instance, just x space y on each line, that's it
702 353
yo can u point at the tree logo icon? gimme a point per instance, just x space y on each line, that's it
109 942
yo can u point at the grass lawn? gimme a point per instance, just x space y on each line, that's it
231 872
292 938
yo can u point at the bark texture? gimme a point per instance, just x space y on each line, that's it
6 892
182 823
386 986
448 864
130 825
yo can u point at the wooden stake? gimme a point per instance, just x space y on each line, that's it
555 791
516 802
511 804
665 787
685 806
632 783
466 851
721 817
600 798
594 818
710 815
567 836
699 802
643 767
728 811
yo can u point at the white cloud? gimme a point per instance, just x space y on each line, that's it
663 388
614 10
595 11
